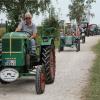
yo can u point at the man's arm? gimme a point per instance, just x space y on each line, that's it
34 32
33 35
19 27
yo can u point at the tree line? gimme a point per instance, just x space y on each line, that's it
15 9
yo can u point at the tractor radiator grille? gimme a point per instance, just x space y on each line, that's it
16 45
13 45
5 45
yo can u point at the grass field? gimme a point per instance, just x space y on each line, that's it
2 30
93 89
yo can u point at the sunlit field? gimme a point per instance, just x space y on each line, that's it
2 30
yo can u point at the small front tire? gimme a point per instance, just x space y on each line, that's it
3 82
83 39
78 45
61 49
40 80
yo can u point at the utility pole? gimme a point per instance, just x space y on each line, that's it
1 22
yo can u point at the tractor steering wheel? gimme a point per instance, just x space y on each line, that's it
28 33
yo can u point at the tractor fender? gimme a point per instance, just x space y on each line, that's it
47 41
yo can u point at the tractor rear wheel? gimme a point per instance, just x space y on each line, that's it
40 80
48 59
83 39
61 49
78 45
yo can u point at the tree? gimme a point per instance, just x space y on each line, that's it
90 1
88 7
76 10
16 8
51 22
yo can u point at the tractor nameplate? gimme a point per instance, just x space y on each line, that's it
68 40
9 74
10 62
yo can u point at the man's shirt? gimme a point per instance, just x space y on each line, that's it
28 28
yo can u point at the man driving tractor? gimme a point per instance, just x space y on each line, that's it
27 26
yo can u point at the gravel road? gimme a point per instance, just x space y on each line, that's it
71 77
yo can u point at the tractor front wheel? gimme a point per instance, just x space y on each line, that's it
83 39
3 82
40 80
78 45
61 49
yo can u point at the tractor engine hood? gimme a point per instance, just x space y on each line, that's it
13 49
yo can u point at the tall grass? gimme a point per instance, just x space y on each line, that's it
2 30
93 90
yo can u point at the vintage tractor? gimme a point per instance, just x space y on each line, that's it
84 31
17 61
69 41
83 35
93 29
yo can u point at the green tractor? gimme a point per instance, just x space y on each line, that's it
84 31
69 41
93 29
17 61
83 36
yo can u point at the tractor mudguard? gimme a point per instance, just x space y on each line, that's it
46 41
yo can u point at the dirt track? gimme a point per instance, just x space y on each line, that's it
71 77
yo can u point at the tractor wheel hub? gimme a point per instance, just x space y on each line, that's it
9 74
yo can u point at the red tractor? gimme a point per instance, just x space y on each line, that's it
93 29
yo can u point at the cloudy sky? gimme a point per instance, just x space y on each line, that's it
61 7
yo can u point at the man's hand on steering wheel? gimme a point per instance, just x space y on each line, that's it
31 36
28 33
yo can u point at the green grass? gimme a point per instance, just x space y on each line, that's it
2 30
93 90
57 43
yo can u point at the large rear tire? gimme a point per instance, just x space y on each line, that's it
78 45
48 59
83 39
